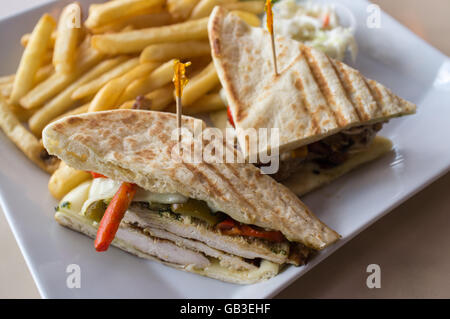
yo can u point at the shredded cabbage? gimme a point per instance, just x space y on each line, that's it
316 25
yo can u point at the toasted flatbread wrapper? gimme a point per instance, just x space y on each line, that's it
310 176
313 97
138 146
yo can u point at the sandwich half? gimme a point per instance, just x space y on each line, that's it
327 114
223 220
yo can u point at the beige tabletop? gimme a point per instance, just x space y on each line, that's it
410 244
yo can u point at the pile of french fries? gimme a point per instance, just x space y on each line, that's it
124 50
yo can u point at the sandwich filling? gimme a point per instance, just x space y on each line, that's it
185 231
329 152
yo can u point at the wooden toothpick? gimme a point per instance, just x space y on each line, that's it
180 80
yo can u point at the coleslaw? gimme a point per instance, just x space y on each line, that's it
316 25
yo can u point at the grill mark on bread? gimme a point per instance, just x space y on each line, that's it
229 184
376 95
203 178
322 84
305 104
347 87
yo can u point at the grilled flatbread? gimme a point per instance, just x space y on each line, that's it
313 97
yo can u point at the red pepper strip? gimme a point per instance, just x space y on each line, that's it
113 215
97 175
326 21
232 228
230 117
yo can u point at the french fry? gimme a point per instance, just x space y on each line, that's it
62 102
158 78
6 89
76 111
180 50
200 84
32 58
208 103
7 79
250 18
181 9
67 37
44 73
138 40
108 96
138 22
106 13
20 113
24 140
64 179
157 100
255 7
56 83
205 7
95 85
26 38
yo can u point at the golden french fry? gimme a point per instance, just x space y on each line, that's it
32 58
24 140
205 7
56 83
138 22
219 119
208 103
108 96
250 18
67 37
62 102
21 114
6 89
105 13
137 40
44 73
64 179
158 78
181 9
256 7
95 85
180 50
7 79
76 111
156 100
26 38
200 84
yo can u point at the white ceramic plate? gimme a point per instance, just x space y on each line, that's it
391 55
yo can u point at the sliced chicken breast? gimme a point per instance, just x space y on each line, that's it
191 228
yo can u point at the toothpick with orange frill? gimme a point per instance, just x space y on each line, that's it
179 80
269 15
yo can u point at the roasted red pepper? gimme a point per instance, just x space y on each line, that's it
97 175
233 228
113 216
230 117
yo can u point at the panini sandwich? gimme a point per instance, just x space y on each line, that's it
327 113
223 220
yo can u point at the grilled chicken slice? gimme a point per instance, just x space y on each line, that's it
191 228
226 260
160 248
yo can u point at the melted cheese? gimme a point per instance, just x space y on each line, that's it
103 189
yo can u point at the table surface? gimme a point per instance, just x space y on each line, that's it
410 266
